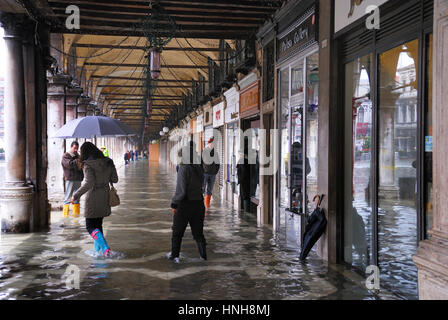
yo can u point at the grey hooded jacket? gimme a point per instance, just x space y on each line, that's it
98 174
190 179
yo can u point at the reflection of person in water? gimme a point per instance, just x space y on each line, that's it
360 238
297 174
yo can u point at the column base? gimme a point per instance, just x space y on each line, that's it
388 193
16 205
432 262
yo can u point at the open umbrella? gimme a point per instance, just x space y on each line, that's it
315 228
94 126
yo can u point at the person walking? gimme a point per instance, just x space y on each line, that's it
99 172
73 177
187 204
211 169
105 152
132 155
136 155
126 157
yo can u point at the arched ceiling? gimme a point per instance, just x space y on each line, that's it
110 46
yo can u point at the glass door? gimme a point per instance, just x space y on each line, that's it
298 123
310 162
297 101
397 167
358 218
388 161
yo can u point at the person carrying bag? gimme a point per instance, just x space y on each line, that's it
99 172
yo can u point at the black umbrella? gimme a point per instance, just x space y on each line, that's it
315 228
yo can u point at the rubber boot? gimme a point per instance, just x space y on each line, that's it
65 210
76 209
101 242
207 200
202 250
96 246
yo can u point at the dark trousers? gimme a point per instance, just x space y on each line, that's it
189 212
94 223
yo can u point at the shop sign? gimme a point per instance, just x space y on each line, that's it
233 105
208 133
349 11
208 116
218 115
200 123
249 100
302 33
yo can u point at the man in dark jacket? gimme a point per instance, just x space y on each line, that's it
187 204
126 157
211 169
73 176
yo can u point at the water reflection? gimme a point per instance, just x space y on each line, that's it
245 261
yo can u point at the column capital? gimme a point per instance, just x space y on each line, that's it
14 25
57 84
73 93
82 106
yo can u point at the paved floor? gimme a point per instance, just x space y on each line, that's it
245 261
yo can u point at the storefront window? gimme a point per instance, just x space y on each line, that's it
312 126
297 102
255 175
358 161
284 127
428 139
236 147
297 86
397 190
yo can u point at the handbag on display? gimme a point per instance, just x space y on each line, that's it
114 199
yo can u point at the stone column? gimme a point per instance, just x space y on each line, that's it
432 255
330 160
16 195
73 93
56 147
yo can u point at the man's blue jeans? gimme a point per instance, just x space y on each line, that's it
209 183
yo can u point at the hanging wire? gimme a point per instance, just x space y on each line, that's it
217 60
90 56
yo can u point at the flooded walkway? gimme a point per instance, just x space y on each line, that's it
245 262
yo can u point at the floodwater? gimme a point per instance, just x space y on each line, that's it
245 261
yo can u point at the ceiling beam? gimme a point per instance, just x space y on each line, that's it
96 15
142 65
171 7
130 86
140 79
124 32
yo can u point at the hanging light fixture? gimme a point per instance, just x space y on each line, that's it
162 133
154 63
166 129
159 28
